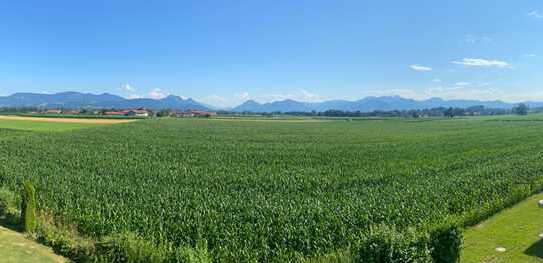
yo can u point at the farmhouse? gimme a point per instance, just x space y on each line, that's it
129 113
114 113
196 113
71 112
137 113
53 111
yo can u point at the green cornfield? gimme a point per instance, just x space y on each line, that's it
269 190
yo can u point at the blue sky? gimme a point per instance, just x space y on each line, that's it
225 52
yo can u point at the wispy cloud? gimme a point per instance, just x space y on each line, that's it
470 39
130 91
216 100
157 93
127 88
405 93
536 14
464 92
242 96
461 83
420 68
475 91
309 96
530 55
479 62
300 95
473 39
134 96
436 80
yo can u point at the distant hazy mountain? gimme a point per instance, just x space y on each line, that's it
170 102
368 104
63 99
72 100
75 100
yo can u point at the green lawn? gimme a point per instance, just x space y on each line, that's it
41 126
516 229
14 247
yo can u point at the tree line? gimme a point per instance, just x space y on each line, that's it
450 112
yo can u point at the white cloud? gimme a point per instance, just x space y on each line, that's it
536 14
238 98
420 68
476 91
134 96
405 93
461 83
436 80
127 88
473 39
300 95
308 96
479 62
464 92
530 55
470 39
157 93
216 100
243 95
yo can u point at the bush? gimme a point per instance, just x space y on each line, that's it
340 256
128 247
9 207
28 207
386 245
446 243
191 255
63 238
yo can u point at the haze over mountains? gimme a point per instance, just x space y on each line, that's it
74 100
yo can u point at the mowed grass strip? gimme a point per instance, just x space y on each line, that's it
516 229
14 247
52 124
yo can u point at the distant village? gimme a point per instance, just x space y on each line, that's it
139 112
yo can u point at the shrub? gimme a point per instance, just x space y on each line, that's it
9 207
28 207
446 243
340 256
191 255
63 238
385 245
128 247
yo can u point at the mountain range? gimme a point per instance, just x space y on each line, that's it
76 100
369 104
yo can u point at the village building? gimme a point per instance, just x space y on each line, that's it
71 111
53 111
128 113
195 113
137 113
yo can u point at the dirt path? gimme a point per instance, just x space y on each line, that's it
65 120
14 247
